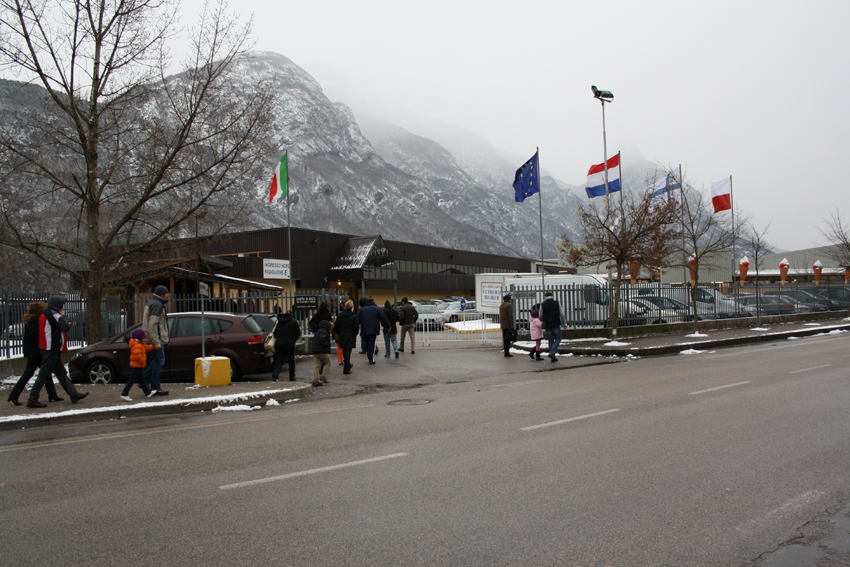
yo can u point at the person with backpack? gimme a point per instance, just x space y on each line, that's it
407 317
322 353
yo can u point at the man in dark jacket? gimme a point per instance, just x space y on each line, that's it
346 327
407 316
390 332
286 333
372 319
552 317
506 322
322 353
52 342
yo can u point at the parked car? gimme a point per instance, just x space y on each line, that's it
237 337
453 313
800 306
661 310
763 304
631 314
429 318
839 296
804 296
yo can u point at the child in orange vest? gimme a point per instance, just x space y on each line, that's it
138 361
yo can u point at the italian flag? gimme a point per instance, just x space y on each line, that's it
280 181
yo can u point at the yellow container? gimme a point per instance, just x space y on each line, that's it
212 371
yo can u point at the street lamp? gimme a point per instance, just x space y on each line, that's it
603 97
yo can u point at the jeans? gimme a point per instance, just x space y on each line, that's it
156 360
387 340
137 375
554 336
51 363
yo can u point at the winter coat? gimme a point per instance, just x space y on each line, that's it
322 338
346 327
31 339
286 332
52 327
536 329
392 317
372 318
407 314
550 313
155 321
318 317
139 353
506 315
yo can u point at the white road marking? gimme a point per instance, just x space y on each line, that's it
311 471
789 506
560 421
808 369
719 388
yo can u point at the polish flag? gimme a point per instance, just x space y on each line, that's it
721 194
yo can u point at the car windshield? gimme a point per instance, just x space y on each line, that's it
427 309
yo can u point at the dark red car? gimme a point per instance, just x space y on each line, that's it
238 337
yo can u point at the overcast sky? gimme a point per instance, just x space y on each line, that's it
756 90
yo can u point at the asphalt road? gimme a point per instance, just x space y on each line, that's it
708 459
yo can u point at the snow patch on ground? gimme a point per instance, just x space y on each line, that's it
812 324
235 408
697 335
616 343
691 351
759 329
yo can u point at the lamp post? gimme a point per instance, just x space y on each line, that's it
603 97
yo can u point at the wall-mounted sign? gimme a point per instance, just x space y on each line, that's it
275 269
491 295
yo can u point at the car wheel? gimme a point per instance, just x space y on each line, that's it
100 372
234 371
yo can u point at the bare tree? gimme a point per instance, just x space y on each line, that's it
704 234
838 234
631 226
120 155
759 245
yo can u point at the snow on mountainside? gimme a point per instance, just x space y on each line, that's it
389 181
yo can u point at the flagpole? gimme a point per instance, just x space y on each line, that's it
540 201
732 204
288 229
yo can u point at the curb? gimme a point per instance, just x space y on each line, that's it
146 409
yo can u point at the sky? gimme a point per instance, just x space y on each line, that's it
751 89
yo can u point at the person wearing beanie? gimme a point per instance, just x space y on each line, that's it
138 361
155 325
536 328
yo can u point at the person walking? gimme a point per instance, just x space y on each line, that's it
347 326
52 342
506 322
322 353
286 333
536 328
390 332
553 317
372 319
407 316
138 360
155 326
33 355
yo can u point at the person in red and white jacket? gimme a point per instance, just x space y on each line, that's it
52 342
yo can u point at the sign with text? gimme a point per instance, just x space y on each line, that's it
275 269
491 295
306 302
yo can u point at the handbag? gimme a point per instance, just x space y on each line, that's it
514 335
268 344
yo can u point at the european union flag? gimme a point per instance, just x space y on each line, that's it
527 179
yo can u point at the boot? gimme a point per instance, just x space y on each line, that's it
531 355
538 356
13 399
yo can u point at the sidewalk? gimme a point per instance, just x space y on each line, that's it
439 363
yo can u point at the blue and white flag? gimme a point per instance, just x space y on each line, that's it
664 186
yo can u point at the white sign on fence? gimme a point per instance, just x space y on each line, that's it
491 295
275 269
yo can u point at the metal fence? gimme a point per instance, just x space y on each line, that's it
119 313
471 328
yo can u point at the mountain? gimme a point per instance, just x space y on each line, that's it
377 178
